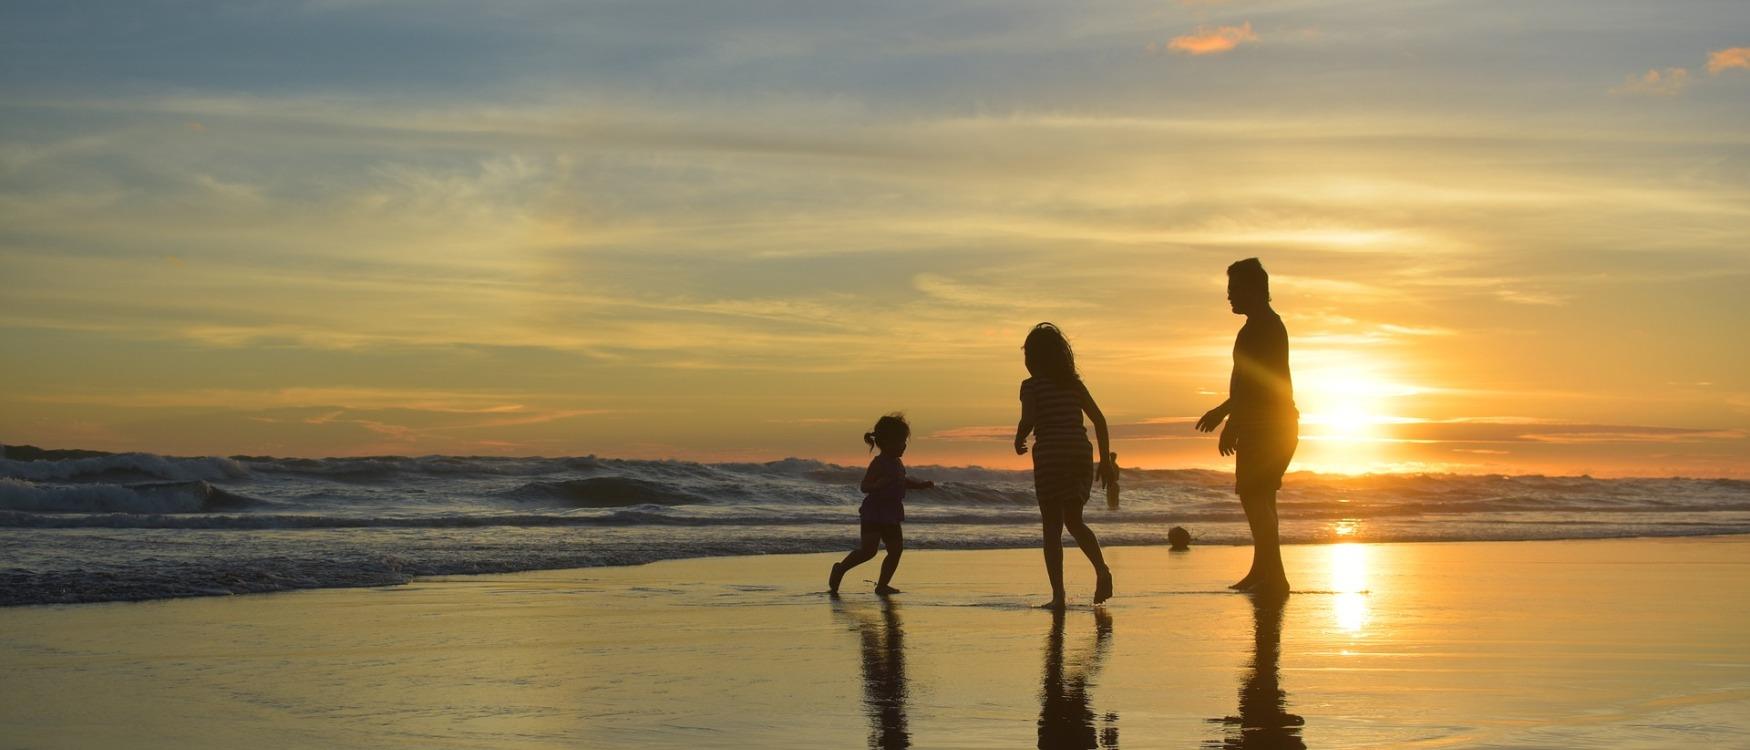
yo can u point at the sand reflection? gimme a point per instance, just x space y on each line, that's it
884 685
1349 563
1263 722
1066 713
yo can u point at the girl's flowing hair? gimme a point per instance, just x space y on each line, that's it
892 426
1049 355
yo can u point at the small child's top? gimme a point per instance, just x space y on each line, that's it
886 502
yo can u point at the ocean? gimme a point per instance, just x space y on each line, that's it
138 526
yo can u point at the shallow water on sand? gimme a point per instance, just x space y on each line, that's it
1633 643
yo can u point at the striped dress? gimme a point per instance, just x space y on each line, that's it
1063 469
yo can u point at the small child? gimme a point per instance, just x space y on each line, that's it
883 507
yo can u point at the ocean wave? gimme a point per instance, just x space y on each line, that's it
194 496
124 464
605 492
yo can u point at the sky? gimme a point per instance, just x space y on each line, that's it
1503 236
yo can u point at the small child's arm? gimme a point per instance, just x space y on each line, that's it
874 480
918 484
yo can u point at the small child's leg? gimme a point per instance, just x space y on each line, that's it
895 541
863 553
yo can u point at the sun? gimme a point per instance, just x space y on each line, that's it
1347 405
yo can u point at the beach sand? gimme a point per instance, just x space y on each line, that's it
1620 643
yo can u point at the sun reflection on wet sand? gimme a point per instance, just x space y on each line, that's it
1349 563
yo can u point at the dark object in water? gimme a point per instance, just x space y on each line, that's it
1179 537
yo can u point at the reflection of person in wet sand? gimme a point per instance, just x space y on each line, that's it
1066 713
884 686
1263 427
1263 722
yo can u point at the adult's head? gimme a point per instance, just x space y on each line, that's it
1048 354
1248 287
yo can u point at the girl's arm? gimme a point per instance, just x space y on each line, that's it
1100 433
1025 428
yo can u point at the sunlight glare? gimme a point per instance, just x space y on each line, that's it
1349 580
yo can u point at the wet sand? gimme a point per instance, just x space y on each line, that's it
1622 643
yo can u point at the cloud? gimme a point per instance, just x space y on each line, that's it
1722 60
1207 41
1655 82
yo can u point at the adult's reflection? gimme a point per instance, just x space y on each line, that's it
1066 712
884 686
1263 722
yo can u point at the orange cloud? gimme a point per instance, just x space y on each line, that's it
1726 59
1655 82
1213 41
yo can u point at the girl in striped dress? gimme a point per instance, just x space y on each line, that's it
1052 403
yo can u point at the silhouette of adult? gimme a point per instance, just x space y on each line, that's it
1263 426
1066 715
884 684
1263 722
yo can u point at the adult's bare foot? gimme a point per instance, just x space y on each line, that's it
1270 587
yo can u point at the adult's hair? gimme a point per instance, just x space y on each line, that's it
1049 354
1250 274
892 426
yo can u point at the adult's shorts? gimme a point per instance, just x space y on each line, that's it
1262 458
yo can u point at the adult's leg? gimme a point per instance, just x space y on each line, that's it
1253 519
895 541
1268 573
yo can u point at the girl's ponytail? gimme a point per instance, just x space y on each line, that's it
891 426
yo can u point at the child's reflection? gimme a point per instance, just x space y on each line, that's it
884 686
1066 713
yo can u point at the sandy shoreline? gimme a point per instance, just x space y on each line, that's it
1619 643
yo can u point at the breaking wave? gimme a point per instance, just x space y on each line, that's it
86 527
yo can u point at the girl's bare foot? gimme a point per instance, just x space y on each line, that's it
1103 588
838 574
1245 584
1056 603
885 589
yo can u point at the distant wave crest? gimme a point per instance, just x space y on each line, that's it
194 496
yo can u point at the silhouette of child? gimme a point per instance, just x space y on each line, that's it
1052 403
883 507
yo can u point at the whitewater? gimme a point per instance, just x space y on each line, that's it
139 526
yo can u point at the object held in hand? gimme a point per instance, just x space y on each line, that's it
1112 483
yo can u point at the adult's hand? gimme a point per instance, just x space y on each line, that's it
1211 419
1229 442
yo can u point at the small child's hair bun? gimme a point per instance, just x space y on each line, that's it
892 425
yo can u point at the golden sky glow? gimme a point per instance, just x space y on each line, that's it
1503 238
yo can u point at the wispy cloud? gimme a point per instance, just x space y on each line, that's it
1211 41
1655 82
1719 61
